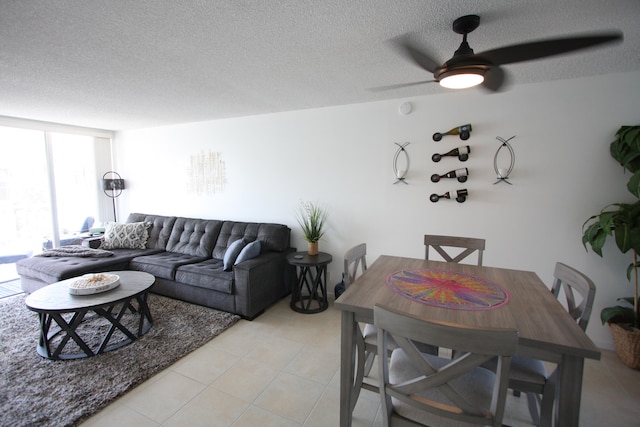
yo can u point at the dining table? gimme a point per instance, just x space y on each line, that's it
468 295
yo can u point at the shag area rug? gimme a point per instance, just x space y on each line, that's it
40 392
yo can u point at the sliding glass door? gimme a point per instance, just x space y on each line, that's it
76 185
49 190
25 205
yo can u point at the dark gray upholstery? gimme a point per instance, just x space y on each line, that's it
194 237
208 275
273 237
159 231
185 255
163 264
36 272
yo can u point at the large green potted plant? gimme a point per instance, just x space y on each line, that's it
311 218
622 221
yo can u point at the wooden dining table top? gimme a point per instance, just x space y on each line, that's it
545 328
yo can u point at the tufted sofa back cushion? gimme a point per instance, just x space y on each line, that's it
195 237
273 237
160 229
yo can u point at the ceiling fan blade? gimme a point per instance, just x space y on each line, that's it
398 86
495 80
416 55
545 48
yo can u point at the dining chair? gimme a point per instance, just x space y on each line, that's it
447 246
355 263
530 376
420 389
440 243
355 260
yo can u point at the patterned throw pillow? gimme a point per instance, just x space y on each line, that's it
125 236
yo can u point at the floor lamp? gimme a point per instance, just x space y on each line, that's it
112 187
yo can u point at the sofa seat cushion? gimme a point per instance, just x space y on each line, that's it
53 269
163 264
208 274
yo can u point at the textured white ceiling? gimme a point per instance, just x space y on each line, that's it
122 64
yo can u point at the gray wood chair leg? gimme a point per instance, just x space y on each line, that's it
368 363
533 401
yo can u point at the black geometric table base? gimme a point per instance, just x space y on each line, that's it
309 295
53 339
316 290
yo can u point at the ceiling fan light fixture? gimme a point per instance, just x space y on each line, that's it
461 79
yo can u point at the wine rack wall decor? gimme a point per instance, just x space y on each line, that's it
399 172
502 164
461 174
503 173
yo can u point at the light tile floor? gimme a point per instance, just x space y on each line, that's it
282 369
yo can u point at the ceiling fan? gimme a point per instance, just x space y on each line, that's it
467 69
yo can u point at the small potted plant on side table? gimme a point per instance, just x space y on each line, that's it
311 218
622 221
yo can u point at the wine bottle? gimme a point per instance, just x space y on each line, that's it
461 152
464 131
435 197
461 174
460 195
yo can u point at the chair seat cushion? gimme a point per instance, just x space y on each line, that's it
370 335
524 370
370 332
528 370
476 386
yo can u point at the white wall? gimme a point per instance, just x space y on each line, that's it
342 157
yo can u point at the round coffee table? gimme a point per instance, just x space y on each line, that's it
54 303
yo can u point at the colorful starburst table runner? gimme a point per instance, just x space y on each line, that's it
447 289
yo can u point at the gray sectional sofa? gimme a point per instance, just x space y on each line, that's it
188 257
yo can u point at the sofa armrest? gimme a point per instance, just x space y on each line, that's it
259 282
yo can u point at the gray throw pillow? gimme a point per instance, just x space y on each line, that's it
252 250
232 253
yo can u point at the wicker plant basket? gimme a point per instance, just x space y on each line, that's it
627 344
313 248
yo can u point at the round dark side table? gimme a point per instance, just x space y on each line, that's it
312 278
